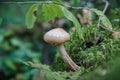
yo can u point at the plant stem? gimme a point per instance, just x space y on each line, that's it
66 58
104 10
98 25
43 2
28 2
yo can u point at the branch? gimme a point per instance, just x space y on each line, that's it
106 6
104 10
41 2
28 2
72 7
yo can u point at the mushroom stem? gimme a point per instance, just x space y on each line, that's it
66 58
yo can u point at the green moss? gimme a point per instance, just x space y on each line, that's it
88 52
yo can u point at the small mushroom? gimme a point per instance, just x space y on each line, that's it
116 34
57 37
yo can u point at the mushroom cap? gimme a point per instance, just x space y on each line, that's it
56 36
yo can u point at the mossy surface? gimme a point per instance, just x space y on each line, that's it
95 49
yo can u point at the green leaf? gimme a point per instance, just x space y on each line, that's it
70 17
51 11
30 17
98 12
105 21
58 0
10 64
36 65
15 42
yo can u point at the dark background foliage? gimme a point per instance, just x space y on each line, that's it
19 44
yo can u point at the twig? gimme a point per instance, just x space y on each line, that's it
72 7
106 6
28 2
39 2
98 25
104 10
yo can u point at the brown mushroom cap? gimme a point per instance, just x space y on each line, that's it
56 36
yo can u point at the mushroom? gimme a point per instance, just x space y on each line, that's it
57 37
116 34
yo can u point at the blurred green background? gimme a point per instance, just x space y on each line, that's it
19 44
